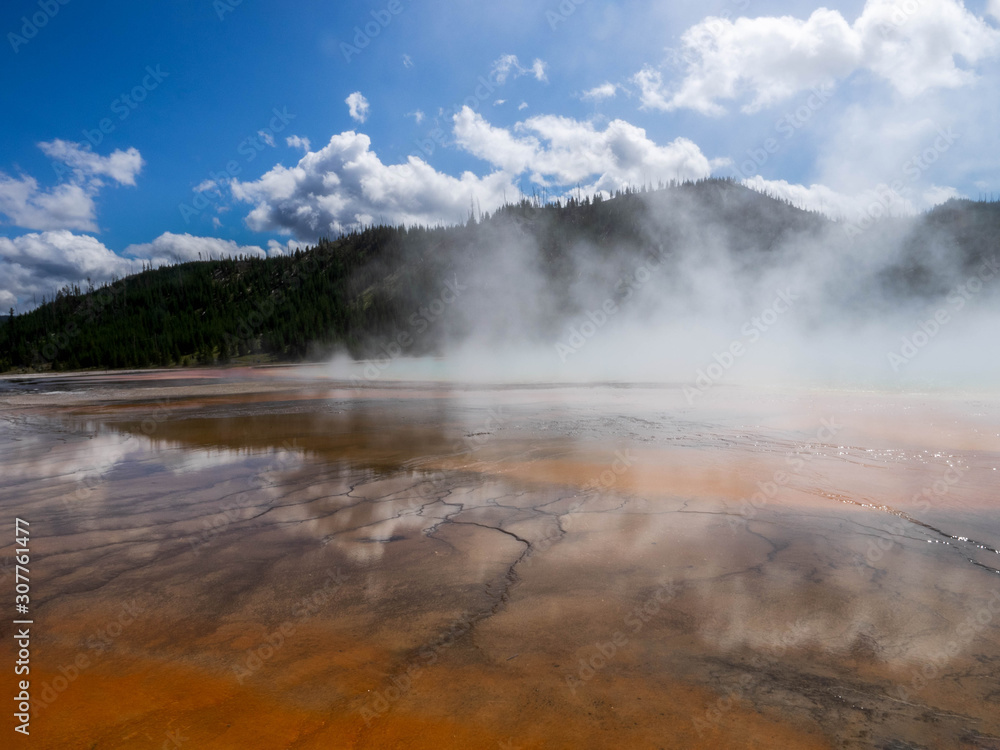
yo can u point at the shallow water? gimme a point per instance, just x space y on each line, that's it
270 559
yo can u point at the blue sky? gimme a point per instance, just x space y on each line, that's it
228 126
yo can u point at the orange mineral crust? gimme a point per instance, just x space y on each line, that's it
233 559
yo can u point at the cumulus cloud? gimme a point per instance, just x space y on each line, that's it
63 254
171 248
71 204
345 185
65 206
277 248
358 106
506 66
298 142
599 93
868 204
120 166
38 264
562 151
653 94
913 46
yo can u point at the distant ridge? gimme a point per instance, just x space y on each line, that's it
359 291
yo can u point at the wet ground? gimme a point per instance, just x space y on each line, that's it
264 558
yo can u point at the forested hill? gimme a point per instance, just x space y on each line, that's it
359 291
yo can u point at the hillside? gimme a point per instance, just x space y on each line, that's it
540 263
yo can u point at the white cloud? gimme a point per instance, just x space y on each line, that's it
204 186
71 204
502 67
870 204
417 115
65 206
63 255
538 69
912 45
524 105
120 166
345 184
507 65
935 195
267 136
298 142
652 94
499 102
562 151
495 145
993 9
916 50
358 106
407 61
37 265
599 93
277 248
180 248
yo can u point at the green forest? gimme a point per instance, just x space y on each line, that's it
354 292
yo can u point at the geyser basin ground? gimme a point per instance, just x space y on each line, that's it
252 559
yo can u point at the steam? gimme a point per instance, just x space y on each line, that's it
718 287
